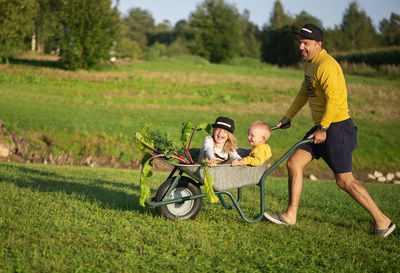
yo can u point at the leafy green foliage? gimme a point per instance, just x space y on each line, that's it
279 43
127 48
216 31
15 25
208 183
187 129
390 30
187 135
358 28
156 144
89 29
279 19
143 143
204 126
147 166
153 143
138 23
46 30
373 58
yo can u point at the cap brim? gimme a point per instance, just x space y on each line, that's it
222 127
306 36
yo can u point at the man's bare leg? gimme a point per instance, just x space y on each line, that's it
348 183
295 166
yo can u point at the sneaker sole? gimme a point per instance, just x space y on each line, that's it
266 215
387 233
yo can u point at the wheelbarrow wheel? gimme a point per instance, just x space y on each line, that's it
183 210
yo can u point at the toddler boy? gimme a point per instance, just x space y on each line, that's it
259 132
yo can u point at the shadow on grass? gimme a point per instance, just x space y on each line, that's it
90 189
36 62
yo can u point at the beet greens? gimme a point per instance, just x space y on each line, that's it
156 144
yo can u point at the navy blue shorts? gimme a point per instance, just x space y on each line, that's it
336 151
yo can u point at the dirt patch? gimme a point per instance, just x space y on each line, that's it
15 148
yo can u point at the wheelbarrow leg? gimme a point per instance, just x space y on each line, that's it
223 202
239 209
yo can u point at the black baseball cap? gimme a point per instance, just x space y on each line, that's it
312 32
224 123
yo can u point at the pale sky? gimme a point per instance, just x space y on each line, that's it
330 12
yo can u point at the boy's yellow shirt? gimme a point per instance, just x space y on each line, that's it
325 89
258 155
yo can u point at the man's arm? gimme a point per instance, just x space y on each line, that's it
328 78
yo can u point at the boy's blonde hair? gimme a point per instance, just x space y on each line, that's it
264 126
230 144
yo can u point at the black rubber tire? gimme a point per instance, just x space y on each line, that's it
185 210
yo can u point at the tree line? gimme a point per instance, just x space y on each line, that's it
85 33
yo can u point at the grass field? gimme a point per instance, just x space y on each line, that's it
98 112
79 219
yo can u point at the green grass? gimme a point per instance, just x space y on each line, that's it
77 219
98 112
188 64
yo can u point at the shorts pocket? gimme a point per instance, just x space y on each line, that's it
350 137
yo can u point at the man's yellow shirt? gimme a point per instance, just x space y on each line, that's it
325 90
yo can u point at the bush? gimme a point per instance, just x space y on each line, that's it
362 69
127 48
156 51
178 47
373 58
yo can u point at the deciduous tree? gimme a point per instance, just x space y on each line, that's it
139 24
279 19
251 37
358 28
89 29
15 25
45 30
216 30
278 40
390 30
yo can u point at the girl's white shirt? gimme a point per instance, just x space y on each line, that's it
208 150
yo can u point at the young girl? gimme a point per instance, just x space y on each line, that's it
221 146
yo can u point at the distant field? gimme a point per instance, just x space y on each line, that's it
98 112
80 219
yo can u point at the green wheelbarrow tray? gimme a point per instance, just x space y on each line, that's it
180 196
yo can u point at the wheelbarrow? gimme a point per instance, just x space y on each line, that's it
180 196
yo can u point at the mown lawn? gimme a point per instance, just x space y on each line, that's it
78 219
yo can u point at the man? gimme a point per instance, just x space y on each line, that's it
334 134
